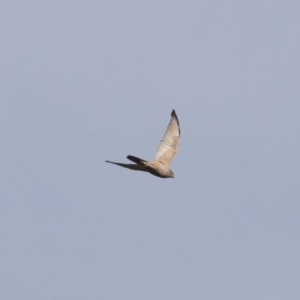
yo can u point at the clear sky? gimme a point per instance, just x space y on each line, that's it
87 81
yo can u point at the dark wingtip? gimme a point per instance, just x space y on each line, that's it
173 114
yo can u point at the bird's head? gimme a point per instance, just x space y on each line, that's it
171 175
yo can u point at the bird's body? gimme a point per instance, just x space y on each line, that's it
166 150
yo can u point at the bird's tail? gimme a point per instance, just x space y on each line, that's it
137 160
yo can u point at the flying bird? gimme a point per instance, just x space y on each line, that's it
168 147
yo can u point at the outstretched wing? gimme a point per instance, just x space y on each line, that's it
137 160
168 146
127 166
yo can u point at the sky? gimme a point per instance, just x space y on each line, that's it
87 81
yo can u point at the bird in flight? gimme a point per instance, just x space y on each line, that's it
168 147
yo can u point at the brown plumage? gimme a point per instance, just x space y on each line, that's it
167 148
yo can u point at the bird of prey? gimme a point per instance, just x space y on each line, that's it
160 165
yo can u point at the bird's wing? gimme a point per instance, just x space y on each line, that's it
128 166
169 144
137 160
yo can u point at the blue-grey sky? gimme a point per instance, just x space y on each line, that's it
86 81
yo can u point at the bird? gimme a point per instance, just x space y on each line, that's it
167 148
